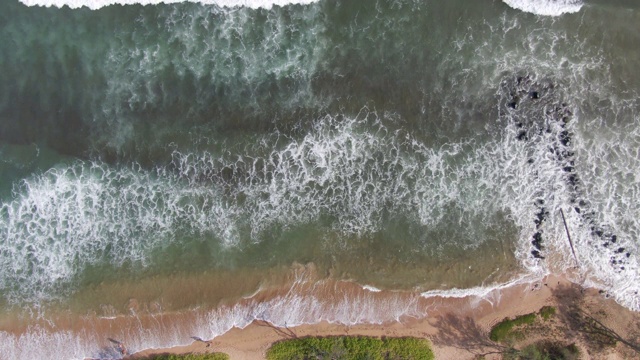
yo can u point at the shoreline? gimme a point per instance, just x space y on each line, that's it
313 305
448 322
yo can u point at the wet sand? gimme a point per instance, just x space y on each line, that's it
306 303
457 327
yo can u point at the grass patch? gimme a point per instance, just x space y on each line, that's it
501 330
547 312
545 350
211 356
351 348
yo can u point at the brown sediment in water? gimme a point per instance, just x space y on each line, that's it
169 309
490 262
173 292
179 291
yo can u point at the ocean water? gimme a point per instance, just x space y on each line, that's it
179 168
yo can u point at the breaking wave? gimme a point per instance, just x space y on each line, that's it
97 4
546 7
355 171
351 173
305 303
70 217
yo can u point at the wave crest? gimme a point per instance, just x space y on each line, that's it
546 7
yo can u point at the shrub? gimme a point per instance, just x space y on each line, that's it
547 312
351 348
545 350
502 329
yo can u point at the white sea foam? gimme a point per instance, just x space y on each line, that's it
368 170
371 288
353 169
70 217
97 4
354 159
229 50
546 7
303 304
490 293
605 142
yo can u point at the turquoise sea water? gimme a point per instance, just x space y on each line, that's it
407 145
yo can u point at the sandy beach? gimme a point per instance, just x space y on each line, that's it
457 327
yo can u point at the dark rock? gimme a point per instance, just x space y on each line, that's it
540 216
537 240
522 135
536 254
553 117
573 180
564 137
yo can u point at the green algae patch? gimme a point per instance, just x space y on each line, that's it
351 348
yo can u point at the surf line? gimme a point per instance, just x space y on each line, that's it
524 92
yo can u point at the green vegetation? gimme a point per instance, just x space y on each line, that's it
502 329
545 350
212 356
509 331
547 312
351 348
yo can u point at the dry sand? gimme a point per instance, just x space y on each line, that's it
457 327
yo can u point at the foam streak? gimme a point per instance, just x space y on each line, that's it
97 4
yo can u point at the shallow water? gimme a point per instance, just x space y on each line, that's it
404 145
